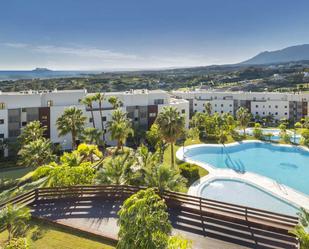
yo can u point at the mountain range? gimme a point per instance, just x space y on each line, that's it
289 54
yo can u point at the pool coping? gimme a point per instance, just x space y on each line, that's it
264 183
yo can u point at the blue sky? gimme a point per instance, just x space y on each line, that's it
122 34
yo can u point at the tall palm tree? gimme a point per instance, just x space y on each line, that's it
71 121
14 219
99 97
33 131
171 126
120 127
87 101
243 117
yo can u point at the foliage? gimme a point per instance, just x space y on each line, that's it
116 171
171 127
286 137
115 102
143 221
36 153
163 178
14 219
257 131
87 101
17 243
300 232
91 135
33 131
120 127
71 121
243 117
178 242
190 172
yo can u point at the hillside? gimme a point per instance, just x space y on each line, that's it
294 53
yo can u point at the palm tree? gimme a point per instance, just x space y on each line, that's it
171 126
300 230
117 171
99 97
36 153
120 127
87 101
91 135
33 131
243 117
71 121
115 102
163 178
14 219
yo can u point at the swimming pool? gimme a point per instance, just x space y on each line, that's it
275 134
288 165
241 193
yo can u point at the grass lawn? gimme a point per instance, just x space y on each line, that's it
14 173
46 236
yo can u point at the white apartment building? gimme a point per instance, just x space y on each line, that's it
279 105
19 108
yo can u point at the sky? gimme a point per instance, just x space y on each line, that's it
141 34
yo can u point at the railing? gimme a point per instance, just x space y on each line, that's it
195 205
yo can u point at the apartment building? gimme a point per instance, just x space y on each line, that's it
279 105
19 108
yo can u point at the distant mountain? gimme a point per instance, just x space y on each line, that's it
41 69
289 54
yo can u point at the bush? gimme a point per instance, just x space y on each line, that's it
257 133
190 172
17 243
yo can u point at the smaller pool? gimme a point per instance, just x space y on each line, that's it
241 193
275 134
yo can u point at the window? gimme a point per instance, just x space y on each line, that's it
49 103
256 113
90 120
183 111
23 110
203 104
135 119
44 117
23 123
276 106
269 106
159 101
2 106
1 135
285 113
285 106
152 114
215 105
276 113
204 111
221 111
257 106
221 105
1 121
103 118
263 113
230 105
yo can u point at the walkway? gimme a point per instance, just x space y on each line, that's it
100 217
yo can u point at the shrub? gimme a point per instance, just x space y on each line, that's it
190 172
17 243
257 133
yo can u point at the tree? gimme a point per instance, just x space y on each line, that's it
297 125
116 171
33 131
120 128
208 108
71 121
257 131
115 102
91 135
143 222
87 101
99 97
163 178
14 219
171 126
36 153
243 117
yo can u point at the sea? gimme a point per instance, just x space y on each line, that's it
18 75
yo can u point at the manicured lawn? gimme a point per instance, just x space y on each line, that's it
14 173
45 236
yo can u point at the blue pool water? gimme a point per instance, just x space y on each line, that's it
240 193
286 165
